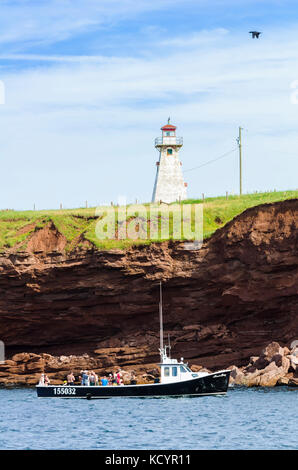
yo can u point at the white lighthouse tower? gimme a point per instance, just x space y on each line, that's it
169 185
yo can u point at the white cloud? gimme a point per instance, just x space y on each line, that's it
53 58
55 20
196 39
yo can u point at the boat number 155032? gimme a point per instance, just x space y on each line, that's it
64 391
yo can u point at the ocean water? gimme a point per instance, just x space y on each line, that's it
243 419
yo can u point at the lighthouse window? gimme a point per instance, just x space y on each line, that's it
174 371
166 371
169 151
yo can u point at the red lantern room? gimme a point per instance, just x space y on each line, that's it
168 137
168 130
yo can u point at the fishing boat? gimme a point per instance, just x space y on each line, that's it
176 379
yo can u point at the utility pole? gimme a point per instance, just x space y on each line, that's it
240 160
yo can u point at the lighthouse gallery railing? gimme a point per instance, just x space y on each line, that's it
168 141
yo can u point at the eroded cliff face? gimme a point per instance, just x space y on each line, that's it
222 303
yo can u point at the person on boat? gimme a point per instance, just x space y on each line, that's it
41 380
110 379
85 378
119 377
96 379
46 380
133 378
71 379
92 379
104 381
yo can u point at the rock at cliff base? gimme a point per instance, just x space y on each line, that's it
271 350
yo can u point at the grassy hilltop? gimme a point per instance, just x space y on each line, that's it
77 225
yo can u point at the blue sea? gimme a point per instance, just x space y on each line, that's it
255 418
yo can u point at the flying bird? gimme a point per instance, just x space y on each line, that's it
255 34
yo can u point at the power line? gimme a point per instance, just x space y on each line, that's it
211 161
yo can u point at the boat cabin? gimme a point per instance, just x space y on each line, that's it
173 371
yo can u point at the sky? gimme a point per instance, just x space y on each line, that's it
86 86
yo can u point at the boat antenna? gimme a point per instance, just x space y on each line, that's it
161 349
169 345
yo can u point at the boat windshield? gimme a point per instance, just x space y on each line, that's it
185 369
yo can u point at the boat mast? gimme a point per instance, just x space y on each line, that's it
161 349
169 345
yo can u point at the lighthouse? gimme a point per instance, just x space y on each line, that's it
169 184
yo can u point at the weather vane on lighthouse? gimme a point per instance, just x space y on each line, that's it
169 184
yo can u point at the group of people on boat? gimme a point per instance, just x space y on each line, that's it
90 378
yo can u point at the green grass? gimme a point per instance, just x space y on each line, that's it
77 225
226 210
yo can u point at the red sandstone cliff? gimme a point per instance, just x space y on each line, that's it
222 304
